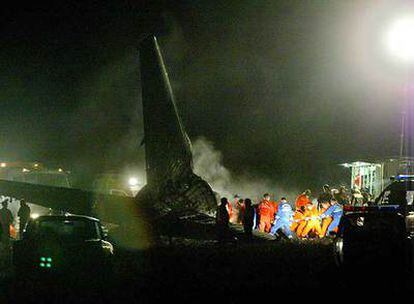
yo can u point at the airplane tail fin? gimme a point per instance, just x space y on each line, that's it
169 163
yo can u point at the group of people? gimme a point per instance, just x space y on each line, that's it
7 220
307 217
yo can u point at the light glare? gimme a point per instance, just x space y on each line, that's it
133 181
400 39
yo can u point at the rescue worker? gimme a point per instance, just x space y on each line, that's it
326 195
298 218
336 212
241 207
229 209
266 213
357 198
248 218
222 220
303 199
366 196
312 221
283 219
234 215
342 196
326 220
24 215
334 192
6 220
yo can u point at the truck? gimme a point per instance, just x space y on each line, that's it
375 175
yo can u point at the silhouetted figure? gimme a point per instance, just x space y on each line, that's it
342 196
6 219
222 220
366 196
241 207
24 215
248 218
325 196
357 198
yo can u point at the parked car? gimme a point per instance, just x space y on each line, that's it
70 244
382 232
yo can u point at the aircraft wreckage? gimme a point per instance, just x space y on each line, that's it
172 187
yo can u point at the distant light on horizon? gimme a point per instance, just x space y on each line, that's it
400 39
133 181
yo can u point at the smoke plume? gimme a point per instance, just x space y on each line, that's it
208 163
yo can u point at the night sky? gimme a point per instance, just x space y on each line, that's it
284 89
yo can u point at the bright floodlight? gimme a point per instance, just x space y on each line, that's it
400 39
133 181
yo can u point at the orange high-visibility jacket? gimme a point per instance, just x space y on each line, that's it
322 210
311 213
299 215
297 219
312 224
302 200
325 221
13 232
266 209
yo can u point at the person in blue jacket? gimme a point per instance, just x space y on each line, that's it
283 219
335 211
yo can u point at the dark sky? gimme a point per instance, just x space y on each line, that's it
284 89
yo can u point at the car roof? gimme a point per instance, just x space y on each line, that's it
404 184
66 217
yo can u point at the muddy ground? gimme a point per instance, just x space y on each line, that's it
191 270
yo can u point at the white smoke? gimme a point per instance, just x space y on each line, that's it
208 163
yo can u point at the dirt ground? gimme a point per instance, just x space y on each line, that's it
194 270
